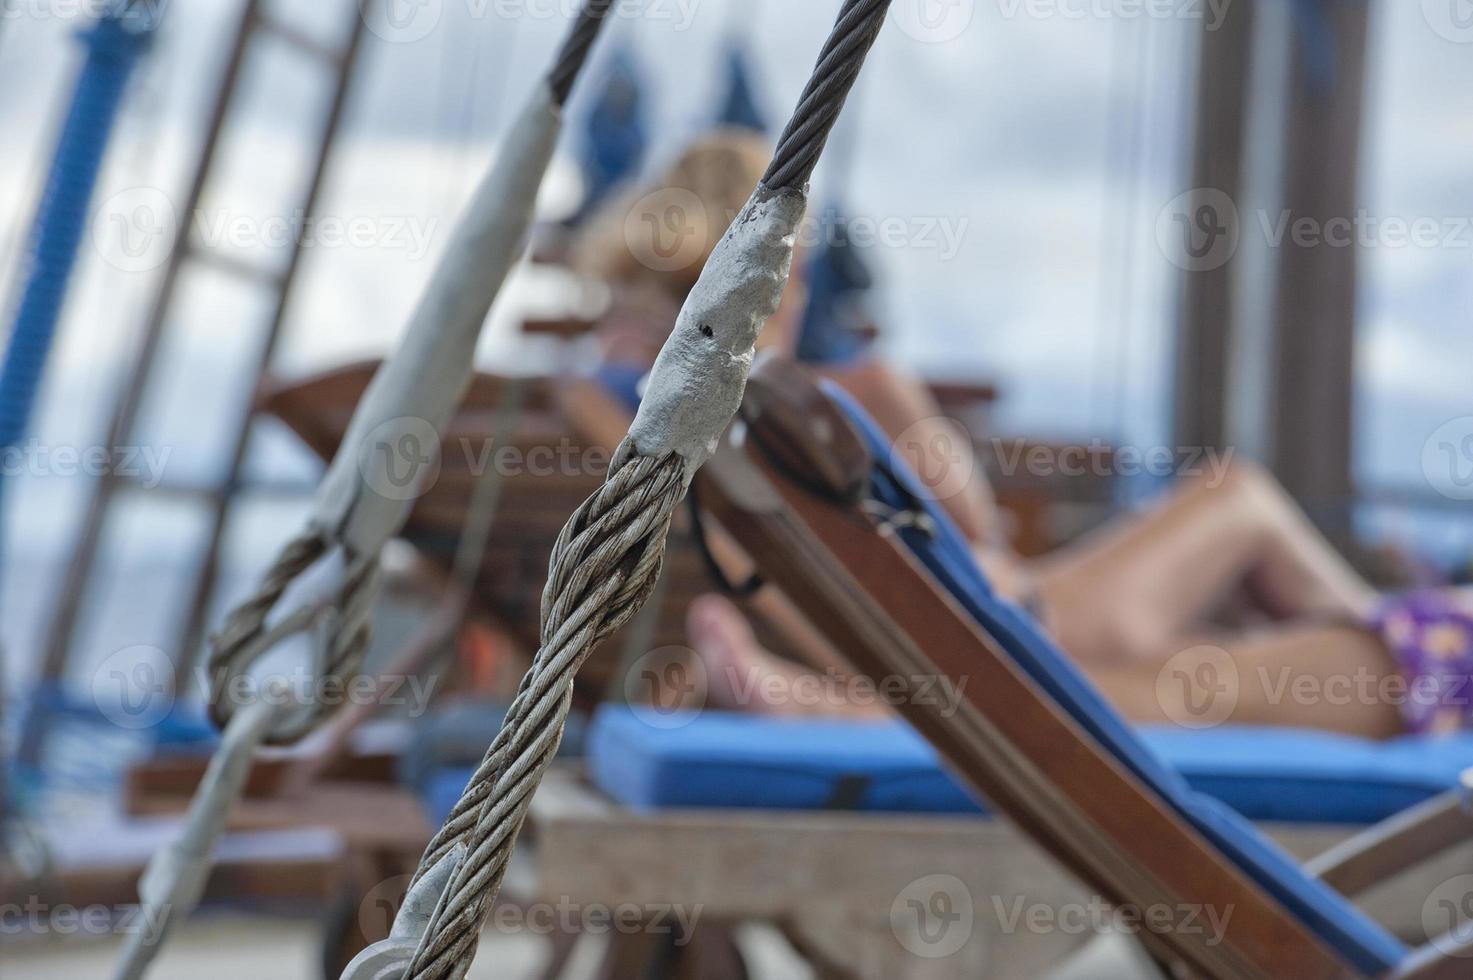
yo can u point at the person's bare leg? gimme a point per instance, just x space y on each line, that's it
742 676
1335 678
1125 591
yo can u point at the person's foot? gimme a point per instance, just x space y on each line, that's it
742 676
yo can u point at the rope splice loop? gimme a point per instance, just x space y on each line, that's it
365 498
361 506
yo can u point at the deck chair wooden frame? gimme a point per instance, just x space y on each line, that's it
791 506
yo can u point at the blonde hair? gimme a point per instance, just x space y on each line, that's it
661 235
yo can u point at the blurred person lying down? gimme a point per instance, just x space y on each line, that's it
1124 600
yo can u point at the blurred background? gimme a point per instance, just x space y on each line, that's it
1081 219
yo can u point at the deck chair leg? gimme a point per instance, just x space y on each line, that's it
563 944
711 954
823 966
1115 956
637 956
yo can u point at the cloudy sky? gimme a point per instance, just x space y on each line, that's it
1027 147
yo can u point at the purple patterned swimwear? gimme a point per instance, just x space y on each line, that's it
1430 633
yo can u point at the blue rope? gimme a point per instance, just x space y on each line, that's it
114 45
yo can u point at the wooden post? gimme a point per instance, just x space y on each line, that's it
1315 316
1204 339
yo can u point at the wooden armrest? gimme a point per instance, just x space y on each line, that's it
1396 844
563 328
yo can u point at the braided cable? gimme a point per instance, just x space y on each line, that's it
604 567
245 636
802 141
575 49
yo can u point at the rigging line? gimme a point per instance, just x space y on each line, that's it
1105 284
808 130
843 156
1126 327
501 81
465 103
575 49
1115 299
1134 314
445 114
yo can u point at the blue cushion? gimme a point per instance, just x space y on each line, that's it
720 759
441 789
945 553
623 381
1303 776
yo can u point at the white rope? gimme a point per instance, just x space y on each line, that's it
411 398
381 466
